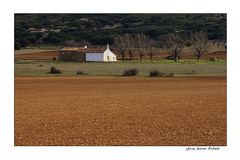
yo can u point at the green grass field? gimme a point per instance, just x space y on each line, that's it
181 68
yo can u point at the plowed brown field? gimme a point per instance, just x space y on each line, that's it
120 111
46 55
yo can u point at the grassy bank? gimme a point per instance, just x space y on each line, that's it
181 68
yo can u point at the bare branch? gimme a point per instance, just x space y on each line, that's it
121 45
199 41
174 45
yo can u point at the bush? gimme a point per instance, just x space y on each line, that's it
40 65
130 72
79 73
54 58
154 73
213 59
171 74
162 74
53 70
172 57
188 44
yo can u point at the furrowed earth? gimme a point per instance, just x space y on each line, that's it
103 111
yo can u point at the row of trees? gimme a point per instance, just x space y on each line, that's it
145 46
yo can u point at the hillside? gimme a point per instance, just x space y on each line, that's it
99 29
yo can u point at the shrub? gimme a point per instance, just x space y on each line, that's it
53 70
162 74
54 58
172 57
188 44
171 74
213 59
79 73
40 65
154 73
130 72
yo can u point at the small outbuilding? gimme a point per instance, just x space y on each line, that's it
86 54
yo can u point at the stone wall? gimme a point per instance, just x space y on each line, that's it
71 56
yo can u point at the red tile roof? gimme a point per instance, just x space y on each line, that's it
84 50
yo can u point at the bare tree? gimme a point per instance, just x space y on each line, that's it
121 45
142 42
174 44
145 46
151 45
129 39
199 41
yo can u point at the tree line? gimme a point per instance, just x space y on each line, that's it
99 29
174 43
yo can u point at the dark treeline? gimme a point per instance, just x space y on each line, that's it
99 29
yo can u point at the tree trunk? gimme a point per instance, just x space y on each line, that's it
176 58
130 54
141 57
123 57
151 56
198 58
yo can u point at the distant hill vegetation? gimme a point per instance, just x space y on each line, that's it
99 29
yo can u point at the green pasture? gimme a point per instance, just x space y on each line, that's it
180 68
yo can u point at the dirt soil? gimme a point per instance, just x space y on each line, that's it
120 111
220 55
46 55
